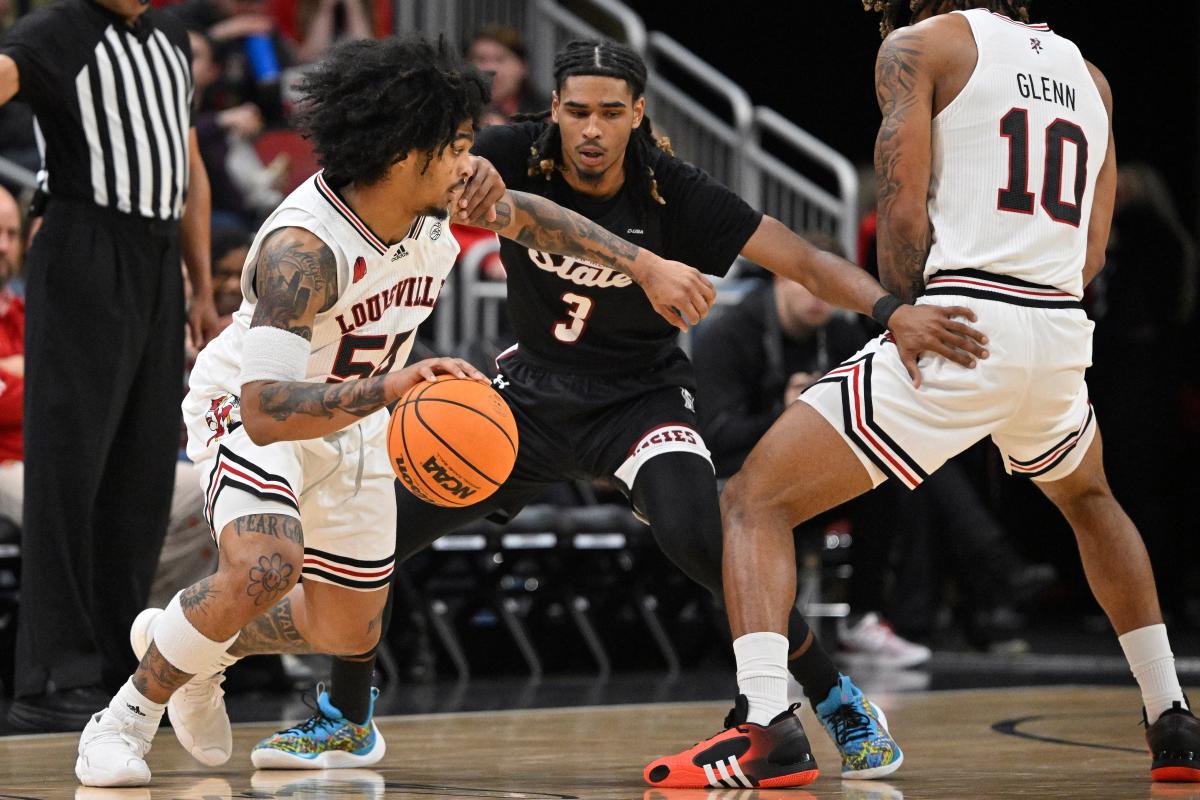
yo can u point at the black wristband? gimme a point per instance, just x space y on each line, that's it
884 308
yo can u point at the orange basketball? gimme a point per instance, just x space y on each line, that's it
452 442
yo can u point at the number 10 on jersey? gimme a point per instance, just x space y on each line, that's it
1016 197
579 308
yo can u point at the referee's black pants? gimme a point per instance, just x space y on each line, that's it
103 379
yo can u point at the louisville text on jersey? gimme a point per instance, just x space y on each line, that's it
417 291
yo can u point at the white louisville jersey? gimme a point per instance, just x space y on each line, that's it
1015 158
384 292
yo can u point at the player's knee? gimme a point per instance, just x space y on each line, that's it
1087 503
1081 495
693 545
344 639
257 572
738 499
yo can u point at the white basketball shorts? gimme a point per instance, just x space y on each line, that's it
1029 395
338 486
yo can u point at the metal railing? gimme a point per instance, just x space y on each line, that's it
13 172
800 203
710 119
698 133
555 27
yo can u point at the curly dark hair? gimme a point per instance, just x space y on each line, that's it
898 13
608 60
371 102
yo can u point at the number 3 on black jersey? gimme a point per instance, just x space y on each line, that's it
1016 197
579 308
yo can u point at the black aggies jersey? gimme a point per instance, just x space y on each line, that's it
586 317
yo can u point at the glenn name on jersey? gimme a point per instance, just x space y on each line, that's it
384 292
588 317
1011 156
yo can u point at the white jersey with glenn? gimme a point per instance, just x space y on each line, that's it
384 292
1015 158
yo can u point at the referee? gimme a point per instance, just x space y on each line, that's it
126 196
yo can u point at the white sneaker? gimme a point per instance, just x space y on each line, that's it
196 709
112 751
872 642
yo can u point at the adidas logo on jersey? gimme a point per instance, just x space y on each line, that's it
400 253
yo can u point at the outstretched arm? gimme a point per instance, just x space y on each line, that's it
295 279
679 293
917 329
835 280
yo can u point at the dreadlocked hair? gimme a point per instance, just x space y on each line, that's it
369 103
898 13
594 57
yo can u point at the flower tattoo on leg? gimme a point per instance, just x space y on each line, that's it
269 579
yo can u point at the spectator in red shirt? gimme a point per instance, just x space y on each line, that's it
12 361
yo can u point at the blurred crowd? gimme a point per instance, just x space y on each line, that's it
964 560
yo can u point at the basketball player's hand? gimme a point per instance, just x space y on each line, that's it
431 368
934 329
680 294
481 191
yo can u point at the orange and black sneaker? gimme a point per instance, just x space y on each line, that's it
1174 741
743 756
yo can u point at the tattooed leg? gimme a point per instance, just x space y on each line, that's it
260 561
316 618
156 678
273 632
200 599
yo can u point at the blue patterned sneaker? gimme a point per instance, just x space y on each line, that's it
326 740
859 729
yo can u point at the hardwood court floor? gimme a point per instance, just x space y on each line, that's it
1065 742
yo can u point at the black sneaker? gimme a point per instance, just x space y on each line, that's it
62 710
1174 741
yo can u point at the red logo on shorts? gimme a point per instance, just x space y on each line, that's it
219 416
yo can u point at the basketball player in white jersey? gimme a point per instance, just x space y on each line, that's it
285 410
997 171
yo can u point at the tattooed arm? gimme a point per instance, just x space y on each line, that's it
910 64
295 279
904 89
679 293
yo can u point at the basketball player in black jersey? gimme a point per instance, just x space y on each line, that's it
596 382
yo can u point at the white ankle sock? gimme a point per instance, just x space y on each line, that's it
1149 655
129 702
795 692
762 674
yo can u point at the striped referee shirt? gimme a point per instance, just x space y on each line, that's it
112 105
